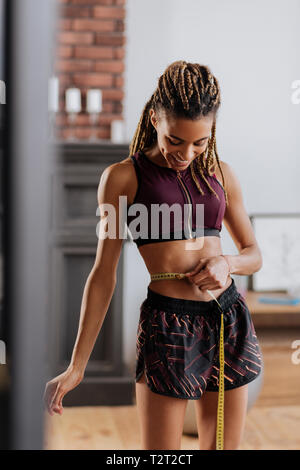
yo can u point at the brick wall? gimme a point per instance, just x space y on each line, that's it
90 54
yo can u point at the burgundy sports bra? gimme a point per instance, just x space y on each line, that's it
160 187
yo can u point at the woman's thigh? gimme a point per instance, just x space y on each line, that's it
161 418
235 410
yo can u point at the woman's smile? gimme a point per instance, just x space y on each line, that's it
179 162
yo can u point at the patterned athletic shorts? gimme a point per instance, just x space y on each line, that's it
178 344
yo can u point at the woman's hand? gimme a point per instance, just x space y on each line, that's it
210 273
57 388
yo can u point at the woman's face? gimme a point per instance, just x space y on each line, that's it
180 140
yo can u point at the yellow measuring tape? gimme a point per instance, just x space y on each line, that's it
220 411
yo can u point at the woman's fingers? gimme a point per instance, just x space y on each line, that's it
57 388
198 279
199 267
57 405
50 396
56 399
54 393
207 286
47 399
203 282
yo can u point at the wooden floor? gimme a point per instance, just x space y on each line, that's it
114 428
272 423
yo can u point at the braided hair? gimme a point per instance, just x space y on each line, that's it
185 90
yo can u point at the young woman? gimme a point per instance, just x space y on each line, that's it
192 303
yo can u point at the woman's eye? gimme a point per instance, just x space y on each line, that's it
173 143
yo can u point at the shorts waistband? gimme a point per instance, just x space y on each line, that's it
176 305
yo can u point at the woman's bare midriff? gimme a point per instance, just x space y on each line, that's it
175 256
181 256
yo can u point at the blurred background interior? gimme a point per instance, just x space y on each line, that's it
74 78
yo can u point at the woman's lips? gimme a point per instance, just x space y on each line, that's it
179 163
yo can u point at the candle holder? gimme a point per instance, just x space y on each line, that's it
117 131
93 107
72 118
93 118
73 107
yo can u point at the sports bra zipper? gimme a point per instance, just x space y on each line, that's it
189 200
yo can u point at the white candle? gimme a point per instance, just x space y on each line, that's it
117 131
53 94
73 100
94 101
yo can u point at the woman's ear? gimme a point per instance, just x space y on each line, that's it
153 118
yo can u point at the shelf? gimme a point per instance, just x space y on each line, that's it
272 315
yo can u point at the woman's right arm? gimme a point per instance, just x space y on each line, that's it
98 289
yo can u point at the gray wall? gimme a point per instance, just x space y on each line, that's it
251 47
28 161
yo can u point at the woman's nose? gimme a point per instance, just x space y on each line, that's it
186 155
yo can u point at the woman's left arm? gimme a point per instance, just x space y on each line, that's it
212 272
237 222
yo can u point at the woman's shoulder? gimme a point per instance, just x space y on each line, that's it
231 182
121 175
119 170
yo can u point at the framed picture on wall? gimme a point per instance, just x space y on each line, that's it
278 237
